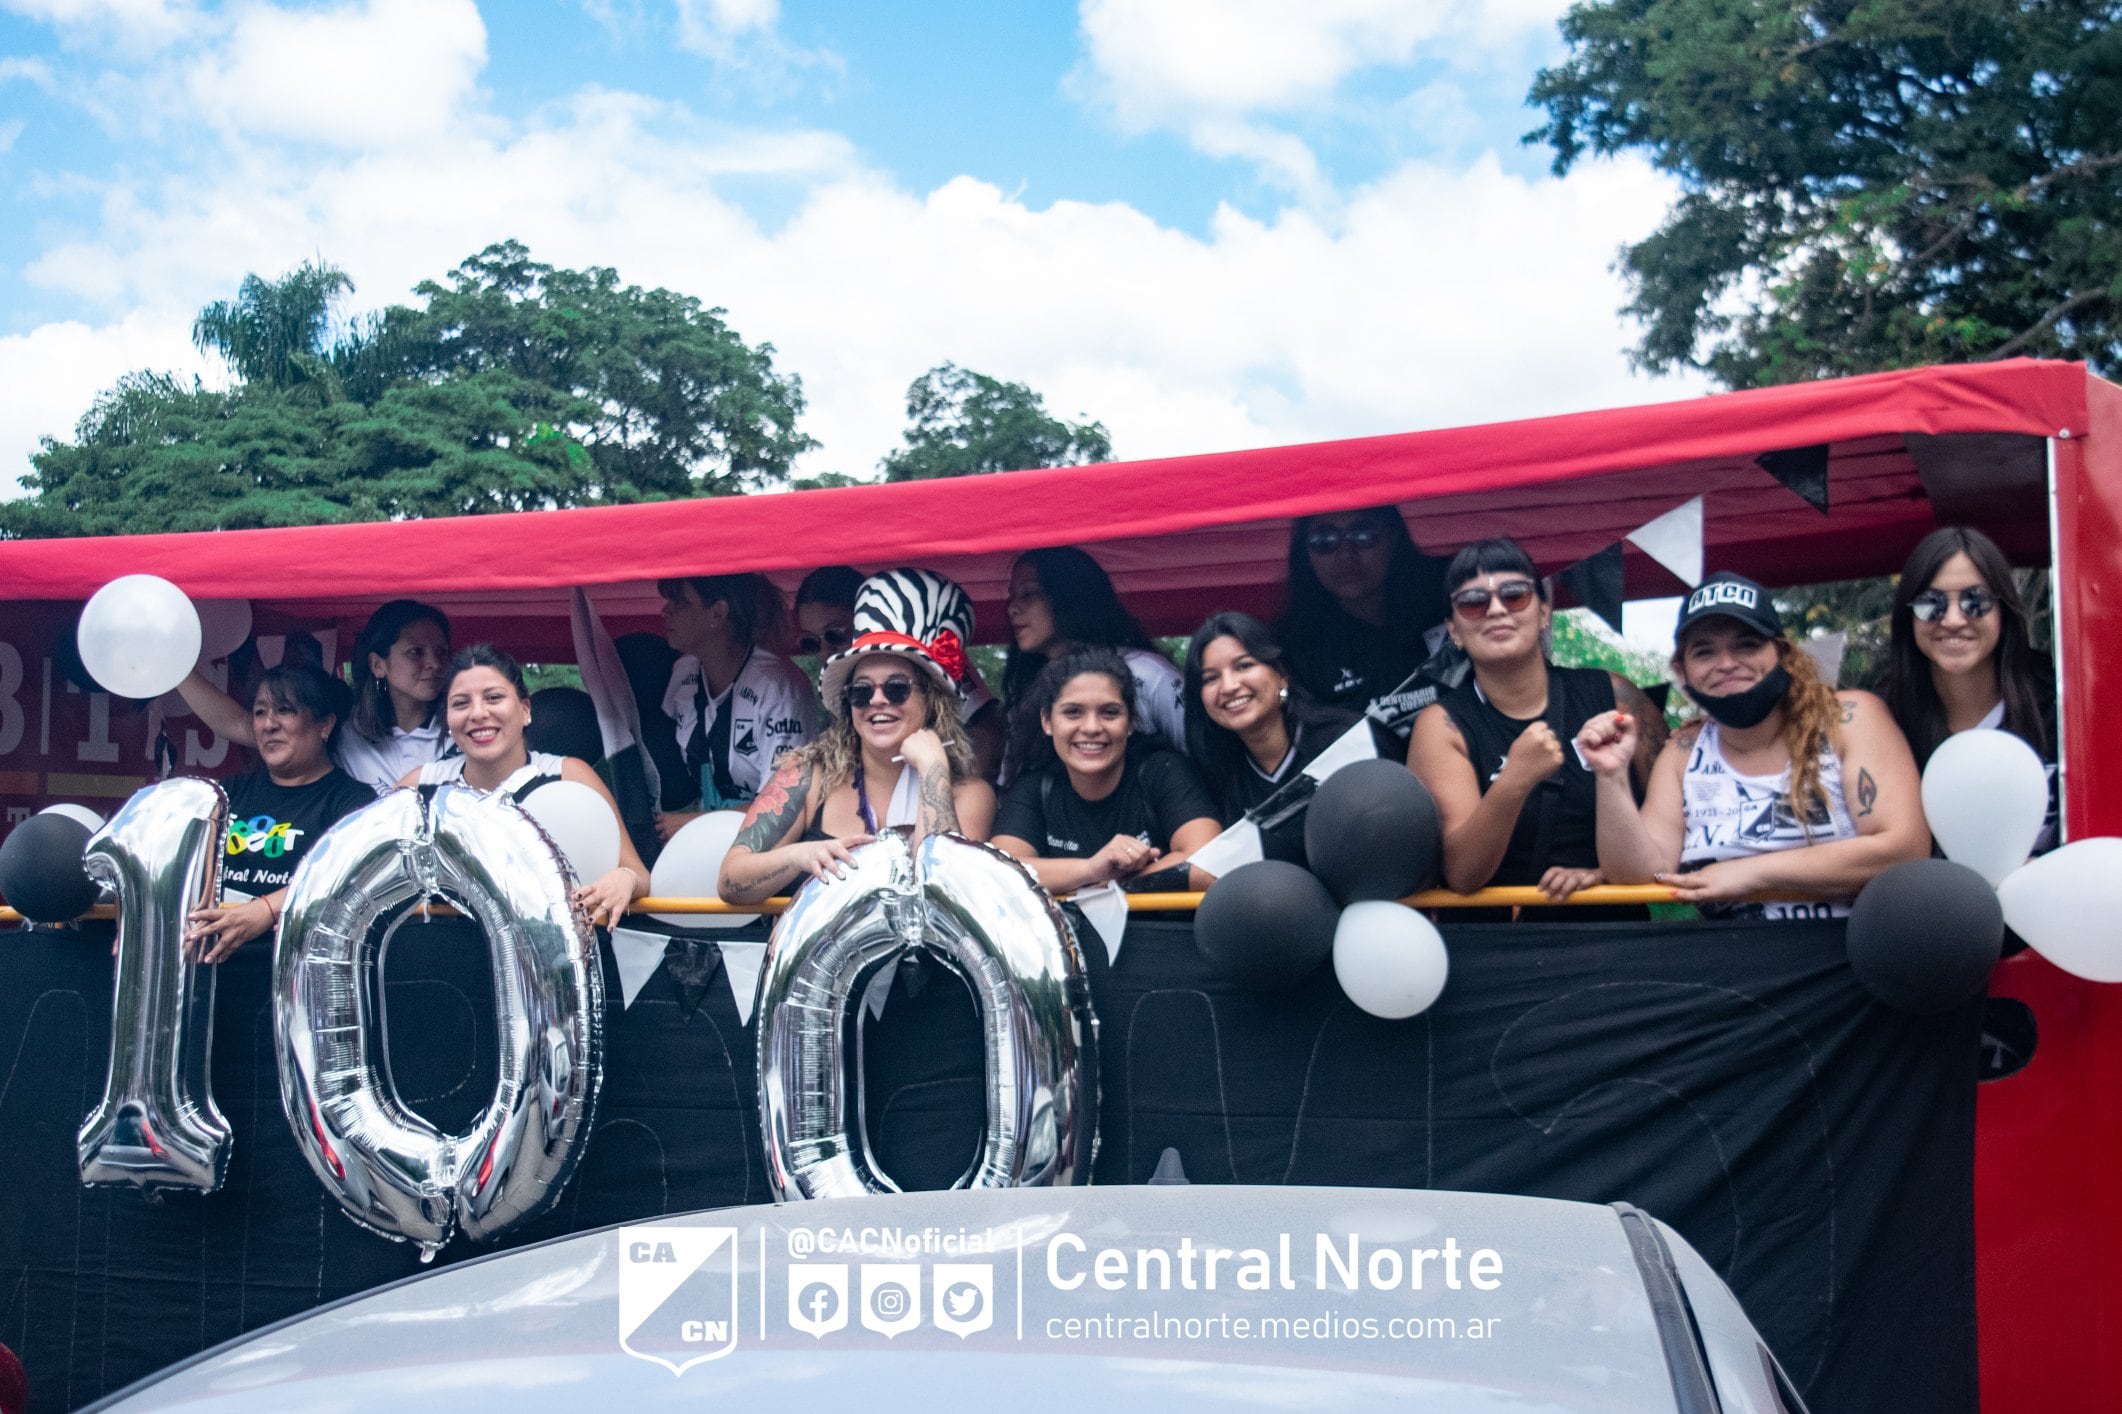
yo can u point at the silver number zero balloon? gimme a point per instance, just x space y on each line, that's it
391 1170
985 917
156 1125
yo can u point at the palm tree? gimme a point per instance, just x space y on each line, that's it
273 331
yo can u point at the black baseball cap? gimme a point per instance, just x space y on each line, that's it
1733 596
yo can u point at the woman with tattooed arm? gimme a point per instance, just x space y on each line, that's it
894 754
1786 787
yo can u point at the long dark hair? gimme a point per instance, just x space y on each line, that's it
2025 677
1218 751
1414 588
373 716
1087 613
1055 677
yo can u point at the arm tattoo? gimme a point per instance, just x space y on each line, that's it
939 806
778 807
1867 793
1849 712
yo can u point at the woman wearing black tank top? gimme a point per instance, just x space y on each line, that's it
486 704
1517 806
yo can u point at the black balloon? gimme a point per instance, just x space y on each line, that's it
1924 935
1372 832
564 722
1266 924
41 875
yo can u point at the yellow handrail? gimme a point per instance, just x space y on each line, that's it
1602 894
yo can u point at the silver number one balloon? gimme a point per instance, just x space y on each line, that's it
157 1126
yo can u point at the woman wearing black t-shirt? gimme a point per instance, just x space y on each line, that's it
1094 812
1366 609
1250 731
276 814
1518 806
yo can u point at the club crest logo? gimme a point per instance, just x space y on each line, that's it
677 1294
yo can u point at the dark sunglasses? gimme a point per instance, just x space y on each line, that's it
1472 602
1931 604
835 637
895 690
1327 539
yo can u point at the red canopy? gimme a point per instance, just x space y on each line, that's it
1184 535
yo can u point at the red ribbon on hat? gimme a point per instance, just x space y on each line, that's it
949 654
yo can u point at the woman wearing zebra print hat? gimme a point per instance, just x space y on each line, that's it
895 752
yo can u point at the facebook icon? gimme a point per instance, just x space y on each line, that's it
817 1297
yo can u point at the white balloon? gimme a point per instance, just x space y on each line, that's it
1389 959
691 863
1985 794
81 813
580 823
223 625
139 636
2065 904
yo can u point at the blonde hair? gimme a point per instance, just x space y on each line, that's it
1811 714
832 756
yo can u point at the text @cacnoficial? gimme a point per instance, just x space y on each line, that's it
1338 1264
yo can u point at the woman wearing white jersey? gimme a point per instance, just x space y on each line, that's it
1787 787
737 706
487 706
399 664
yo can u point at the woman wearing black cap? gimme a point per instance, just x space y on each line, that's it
1786 787
1517 807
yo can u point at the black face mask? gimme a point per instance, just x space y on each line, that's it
1749 708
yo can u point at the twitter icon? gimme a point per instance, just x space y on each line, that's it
965 1296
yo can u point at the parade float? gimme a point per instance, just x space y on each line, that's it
1883 1221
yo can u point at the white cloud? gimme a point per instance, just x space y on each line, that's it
1214 69
744 40
351 76
1440 294
54 372
130 26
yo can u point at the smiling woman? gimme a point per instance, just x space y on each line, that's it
1093 812
276 814
1250 730
487 707
894 755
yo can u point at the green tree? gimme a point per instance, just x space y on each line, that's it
1866 184
960 423
513 386
273 332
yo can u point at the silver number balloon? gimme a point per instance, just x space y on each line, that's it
390 1169
156 1125
985 917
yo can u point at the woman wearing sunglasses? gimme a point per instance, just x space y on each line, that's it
1366 609
1785 787
894 753
1100 808
1518 807
1962 653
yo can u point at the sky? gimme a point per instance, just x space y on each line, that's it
1209 224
